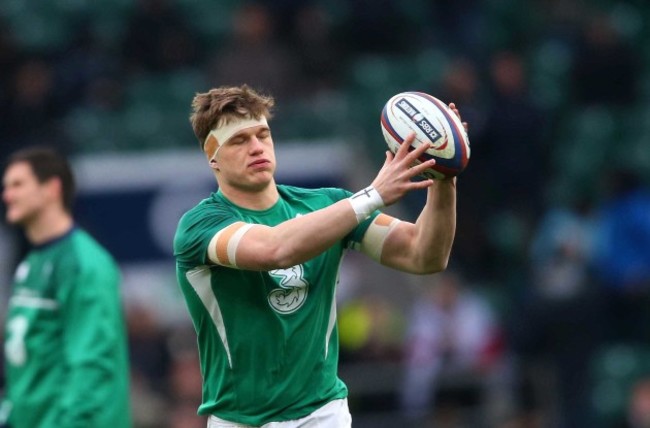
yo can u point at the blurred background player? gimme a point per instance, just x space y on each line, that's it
453 353
258 264
66 362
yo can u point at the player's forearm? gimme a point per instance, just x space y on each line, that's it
297 240
436 228
305 237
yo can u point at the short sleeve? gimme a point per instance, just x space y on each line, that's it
195 230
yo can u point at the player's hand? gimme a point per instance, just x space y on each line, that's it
453 108
394 179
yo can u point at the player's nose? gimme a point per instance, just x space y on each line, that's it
256 145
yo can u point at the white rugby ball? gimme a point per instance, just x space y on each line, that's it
433 123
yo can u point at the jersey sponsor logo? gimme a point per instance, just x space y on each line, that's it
292 293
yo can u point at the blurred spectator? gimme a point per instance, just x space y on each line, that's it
185 378
104 93
148 348
622 257
166 377
561 250
606 69
375 26
505 180
559 325
285 13
8 62
183 415
316 44
461 84
82 65
33 108
8 53
453 344
157 39
370 329
459 26
150 408
255 56
514 139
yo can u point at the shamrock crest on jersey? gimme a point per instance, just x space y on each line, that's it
292 292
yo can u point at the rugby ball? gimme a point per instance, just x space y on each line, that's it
433 123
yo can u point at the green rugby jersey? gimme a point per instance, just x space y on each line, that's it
66 359
268 342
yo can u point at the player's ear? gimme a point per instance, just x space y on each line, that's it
210 149
54 187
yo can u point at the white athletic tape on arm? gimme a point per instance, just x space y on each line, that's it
365 202
222 249
372 243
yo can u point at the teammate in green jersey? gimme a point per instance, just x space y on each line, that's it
66 362
258 264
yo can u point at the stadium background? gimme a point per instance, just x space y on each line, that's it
557 95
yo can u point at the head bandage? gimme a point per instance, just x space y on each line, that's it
223 133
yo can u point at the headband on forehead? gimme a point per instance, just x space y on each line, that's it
223 133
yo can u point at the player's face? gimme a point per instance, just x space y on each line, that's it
247 159
22 193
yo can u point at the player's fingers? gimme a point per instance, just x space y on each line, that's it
466 126
453 108
417 152
389 157
422 184
420 168
404 147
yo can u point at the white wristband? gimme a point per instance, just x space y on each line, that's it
365 202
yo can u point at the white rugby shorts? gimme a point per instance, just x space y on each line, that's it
335 414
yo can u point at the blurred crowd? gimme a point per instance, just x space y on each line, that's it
543 319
